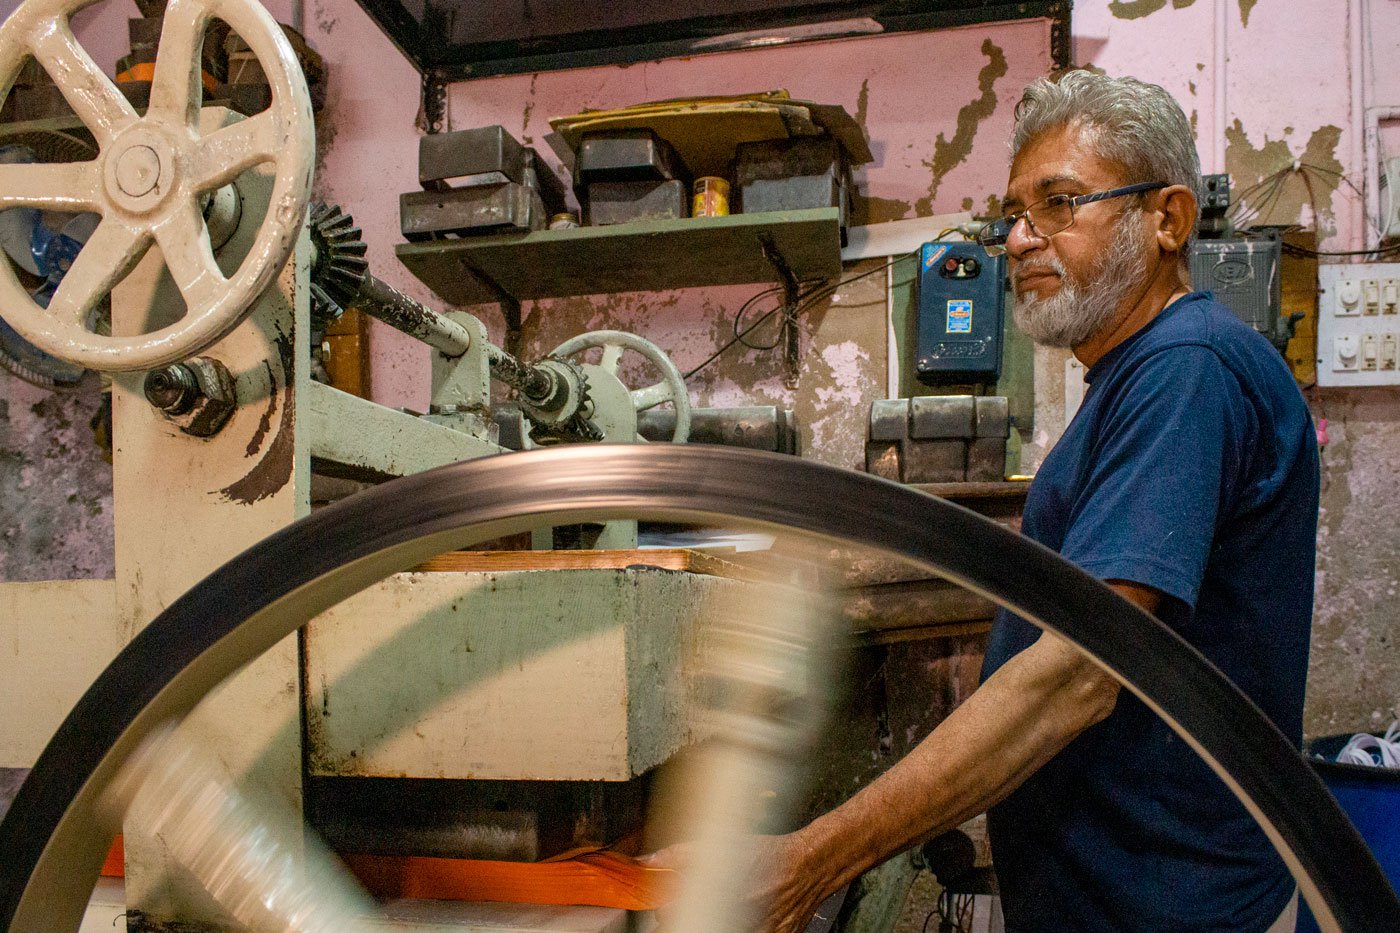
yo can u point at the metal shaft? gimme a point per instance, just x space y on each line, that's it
393 307
388 304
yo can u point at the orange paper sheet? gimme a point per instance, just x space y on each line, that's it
597 879
592 879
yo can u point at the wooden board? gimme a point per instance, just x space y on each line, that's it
1299 294
681 559
650 255
960 491
914 604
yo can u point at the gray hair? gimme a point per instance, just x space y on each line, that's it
1138 125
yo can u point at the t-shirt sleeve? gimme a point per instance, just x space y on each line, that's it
1165 467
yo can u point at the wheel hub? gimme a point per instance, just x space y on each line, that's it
140 172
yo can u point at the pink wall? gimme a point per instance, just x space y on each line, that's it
1268 82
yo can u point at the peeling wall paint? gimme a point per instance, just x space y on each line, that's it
1287 183
1136 9
916 95
949 152
1354 680
55 489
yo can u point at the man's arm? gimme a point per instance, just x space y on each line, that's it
1018 720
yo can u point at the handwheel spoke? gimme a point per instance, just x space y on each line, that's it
91 94
73 187
184 242
175 88
227 153
612 354
105 259
651 396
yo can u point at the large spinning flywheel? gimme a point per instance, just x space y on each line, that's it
53 838
149 184
152 177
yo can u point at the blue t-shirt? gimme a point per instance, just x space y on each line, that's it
1191 468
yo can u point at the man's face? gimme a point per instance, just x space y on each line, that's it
1070 285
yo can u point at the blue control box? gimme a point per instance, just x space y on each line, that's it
961 302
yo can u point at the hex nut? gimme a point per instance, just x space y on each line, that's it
215 402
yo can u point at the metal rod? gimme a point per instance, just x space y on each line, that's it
528 380
401 312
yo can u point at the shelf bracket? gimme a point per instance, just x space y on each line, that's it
790 336
510 311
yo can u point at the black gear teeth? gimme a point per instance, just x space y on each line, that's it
341 268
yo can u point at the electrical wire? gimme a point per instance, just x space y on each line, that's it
805 300
1272 186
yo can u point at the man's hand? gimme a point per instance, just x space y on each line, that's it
786 886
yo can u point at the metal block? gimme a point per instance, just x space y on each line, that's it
511 425
144 31
485 209
627 155
942 461
515 821
620 202
442 156
539 176
986 460
993 416
786 175
934 417
885 460
889 419
757 427
563 675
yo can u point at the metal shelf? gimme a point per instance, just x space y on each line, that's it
652 255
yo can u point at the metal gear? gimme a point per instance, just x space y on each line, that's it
564 415
340 268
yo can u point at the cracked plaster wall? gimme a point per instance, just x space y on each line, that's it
938 109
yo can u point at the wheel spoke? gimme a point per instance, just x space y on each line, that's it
651 396
612 354
227 153
74 187
91 94
105 259
175 87
184 242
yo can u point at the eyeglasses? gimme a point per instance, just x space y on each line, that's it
1051 215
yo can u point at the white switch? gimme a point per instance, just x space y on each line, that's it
1348 298
1388 349
1370 351
1390 296
1372 290
1344 352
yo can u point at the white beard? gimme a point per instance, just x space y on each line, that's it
1079 310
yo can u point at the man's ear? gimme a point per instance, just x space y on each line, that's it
1177 216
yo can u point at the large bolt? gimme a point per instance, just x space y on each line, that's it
173 390
199 395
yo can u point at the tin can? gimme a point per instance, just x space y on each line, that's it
565 221
711 197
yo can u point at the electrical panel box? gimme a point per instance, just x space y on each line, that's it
1358 325
1245 273
961 301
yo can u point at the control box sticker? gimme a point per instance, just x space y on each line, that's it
960 316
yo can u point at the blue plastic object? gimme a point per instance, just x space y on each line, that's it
961 300
1371 799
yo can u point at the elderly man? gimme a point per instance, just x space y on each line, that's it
1189 482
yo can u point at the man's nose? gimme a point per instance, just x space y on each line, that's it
1022 239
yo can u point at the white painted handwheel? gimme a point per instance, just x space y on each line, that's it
148 179
671 388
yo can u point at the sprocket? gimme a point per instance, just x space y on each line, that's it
340 267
